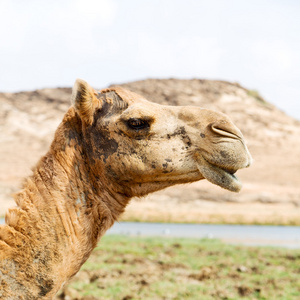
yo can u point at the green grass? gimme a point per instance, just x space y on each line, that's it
167 268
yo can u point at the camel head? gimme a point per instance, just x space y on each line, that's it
141 147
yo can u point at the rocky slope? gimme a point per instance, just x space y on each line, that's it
271 191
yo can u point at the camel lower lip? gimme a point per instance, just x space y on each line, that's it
219 176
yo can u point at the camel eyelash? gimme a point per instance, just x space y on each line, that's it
138 123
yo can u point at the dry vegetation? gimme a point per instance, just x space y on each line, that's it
163 268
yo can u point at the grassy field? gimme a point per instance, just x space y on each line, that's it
166 268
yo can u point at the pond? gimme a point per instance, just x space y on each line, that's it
256 235
252 235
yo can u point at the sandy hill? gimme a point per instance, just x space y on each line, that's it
271 192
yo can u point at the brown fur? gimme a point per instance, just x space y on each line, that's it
96 163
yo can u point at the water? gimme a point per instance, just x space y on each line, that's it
252 235
284 236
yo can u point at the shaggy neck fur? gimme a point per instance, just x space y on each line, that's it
61 213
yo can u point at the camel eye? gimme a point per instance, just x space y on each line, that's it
137 124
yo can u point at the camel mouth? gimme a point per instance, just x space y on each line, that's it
220 176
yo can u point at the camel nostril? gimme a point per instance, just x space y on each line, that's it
225 129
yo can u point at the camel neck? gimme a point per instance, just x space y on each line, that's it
62 212
84 205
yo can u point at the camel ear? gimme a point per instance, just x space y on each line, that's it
84 100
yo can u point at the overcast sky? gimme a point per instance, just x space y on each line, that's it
50 43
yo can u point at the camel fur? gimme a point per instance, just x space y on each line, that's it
111 146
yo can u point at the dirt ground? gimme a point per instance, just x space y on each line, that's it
271 192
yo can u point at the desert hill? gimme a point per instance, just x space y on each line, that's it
271 192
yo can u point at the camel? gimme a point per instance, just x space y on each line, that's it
111 146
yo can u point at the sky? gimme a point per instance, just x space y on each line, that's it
50 43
